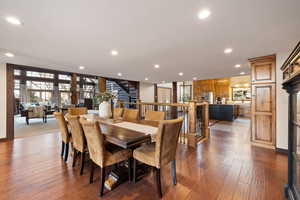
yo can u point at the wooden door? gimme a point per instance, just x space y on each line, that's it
263 114
263 105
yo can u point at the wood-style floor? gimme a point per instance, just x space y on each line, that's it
225 167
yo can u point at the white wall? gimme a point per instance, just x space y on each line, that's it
281 105
2 100
146 92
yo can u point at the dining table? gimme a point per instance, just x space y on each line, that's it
126 134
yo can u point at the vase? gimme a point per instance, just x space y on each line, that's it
105 110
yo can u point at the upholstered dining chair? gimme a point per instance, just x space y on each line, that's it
130 114
65 135
162 152
99 153
118 113
154 115
77 111
78 139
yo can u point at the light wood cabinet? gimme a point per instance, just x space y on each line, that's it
263 106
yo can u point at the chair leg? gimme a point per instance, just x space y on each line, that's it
82 163
92 172
62 148
134 170
158 183
129 170
174 172
67 152
74 157
102 175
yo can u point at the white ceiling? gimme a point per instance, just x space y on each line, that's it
65 34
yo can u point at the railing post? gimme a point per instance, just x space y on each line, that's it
121 103
139 107
192 137
206 120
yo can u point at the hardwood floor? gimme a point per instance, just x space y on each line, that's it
225 167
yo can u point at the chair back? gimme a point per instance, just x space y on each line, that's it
63 126
118 112
77 111
78 138
95 140
130 114
154 115
166 141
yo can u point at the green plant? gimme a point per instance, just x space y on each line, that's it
105 96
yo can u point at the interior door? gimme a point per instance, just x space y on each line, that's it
263 114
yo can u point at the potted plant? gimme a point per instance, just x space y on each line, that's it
104 99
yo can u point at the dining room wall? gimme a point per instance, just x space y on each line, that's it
3 100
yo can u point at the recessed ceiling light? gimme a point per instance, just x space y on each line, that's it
146 79
180 73
228 50
114 52
81 67
10 55
119 74
195 78
203 14
13 20
237 66
242 73
156 66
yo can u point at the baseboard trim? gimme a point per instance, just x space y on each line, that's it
280 150
3 139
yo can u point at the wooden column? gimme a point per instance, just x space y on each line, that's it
192 116
74 97
155 97
10 98
174 100
102 84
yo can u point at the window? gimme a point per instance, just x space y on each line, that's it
64 86
37 85
64 77
39 74
36 96
17 89
17 72
88 91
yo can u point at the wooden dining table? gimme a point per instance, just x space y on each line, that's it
127 134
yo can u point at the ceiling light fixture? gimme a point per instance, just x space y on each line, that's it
195 78
242 73
81 67
13 20
119 74
180 73
146 79
156 66
228 50
114 52
10 55
237 66
203 14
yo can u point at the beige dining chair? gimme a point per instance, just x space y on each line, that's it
99 154
78 111
162 152
65 135
118 112
152 115
130 114
78 139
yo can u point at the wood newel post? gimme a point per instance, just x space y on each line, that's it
139 107
102 84
206 120
74 96
121 103
192 116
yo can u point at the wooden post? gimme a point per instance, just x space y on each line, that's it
174 100
155 97
206 130
139 107
102 84
192 135
74 97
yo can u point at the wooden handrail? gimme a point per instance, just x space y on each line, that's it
157 104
